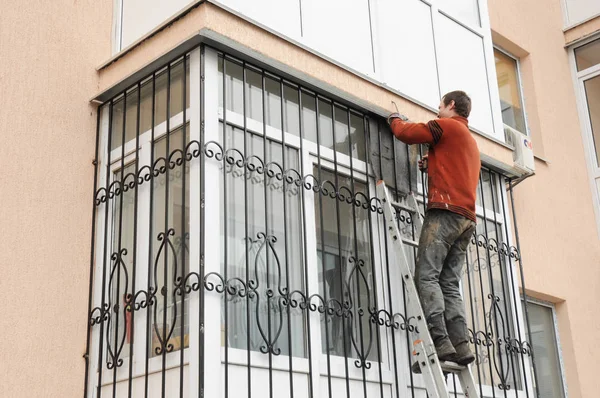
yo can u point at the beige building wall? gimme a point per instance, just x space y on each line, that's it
556 221
48 55
47 76
583 30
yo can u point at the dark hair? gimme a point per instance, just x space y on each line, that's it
462 102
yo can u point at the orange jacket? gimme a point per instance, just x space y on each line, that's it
453 162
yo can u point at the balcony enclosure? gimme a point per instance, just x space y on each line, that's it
239 249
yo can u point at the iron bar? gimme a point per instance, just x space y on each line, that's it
104 257
132 298
304 244
225 222
487 333
202 224
474 337
118 260
339 237
88 335
322 226
494 298
505 291
285 245
246 233
151 298
183 231
164 290
371 310
514 216
267 234
515 294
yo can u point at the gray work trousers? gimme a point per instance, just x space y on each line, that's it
440 259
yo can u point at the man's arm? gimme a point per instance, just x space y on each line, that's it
415 133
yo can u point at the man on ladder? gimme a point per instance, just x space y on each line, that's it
453 167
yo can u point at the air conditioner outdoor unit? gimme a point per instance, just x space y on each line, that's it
523 153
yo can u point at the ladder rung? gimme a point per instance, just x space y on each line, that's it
401 206
451 367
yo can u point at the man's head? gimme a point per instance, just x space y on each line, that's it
455 103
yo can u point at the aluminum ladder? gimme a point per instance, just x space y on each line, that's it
424 350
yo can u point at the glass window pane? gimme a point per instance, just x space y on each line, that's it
170 244
545 350
176 90
273 102
309 117
121 268
146 108
467 11
160 107
254 96
510 93
130 119
345 272
488 186
291 110
325 124
342 138
233 85
160 101
116 133
357 137
588 55
258 244
592 94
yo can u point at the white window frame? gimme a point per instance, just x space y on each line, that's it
484 32
117 26
142 243
519 86
567 23
561 362
585 127
155 364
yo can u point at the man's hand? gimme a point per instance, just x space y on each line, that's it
423 163
392 117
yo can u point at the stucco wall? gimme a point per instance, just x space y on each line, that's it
580 31
557 226
48 54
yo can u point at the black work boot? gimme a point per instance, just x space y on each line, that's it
458 332
439 335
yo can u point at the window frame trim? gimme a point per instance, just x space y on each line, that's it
143 225
561 364
578 79
581 43
527 131
128 158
